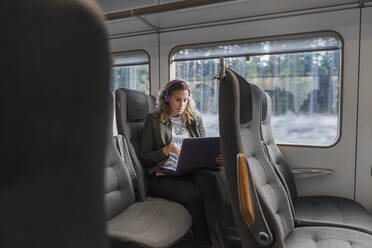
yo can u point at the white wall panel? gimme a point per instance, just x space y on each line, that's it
233 10
109 6
340 157
125 26
364 159
149 43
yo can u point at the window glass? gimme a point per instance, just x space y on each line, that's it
304 85
130 70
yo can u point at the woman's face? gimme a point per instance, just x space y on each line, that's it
178 101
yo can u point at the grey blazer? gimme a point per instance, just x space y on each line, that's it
156 135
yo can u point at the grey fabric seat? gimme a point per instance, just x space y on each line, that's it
312 210
240 120
132 107
325 237
53 132
153 222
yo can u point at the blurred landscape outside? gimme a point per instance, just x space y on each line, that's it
135 77
304 86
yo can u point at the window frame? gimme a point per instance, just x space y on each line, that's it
337 35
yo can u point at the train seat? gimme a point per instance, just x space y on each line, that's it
153 222
131 108
53 133
273 222
311 210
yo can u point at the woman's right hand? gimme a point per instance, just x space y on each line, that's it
171 148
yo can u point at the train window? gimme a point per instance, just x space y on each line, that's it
301 73
131 70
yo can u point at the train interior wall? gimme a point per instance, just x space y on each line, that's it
351 156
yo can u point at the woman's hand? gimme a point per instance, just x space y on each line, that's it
219 160
171 148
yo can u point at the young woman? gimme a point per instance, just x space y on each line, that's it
200 192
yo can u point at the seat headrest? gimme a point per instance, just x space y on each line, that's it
246 101
54 106
49 66
137 105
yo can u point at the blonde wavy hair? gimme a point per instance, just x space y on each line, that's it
163 109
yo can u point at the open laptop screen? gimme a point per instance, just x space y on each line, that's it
198 153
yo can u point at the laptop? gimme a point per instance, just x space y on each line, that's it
196 153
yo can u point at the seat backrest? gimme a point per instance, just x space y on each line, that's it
55 76
276 157
132 107
118 189
240 116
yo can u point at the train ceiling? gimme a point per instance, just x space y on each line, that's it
135 17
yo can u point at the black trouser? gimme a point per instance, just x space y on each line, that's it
202 194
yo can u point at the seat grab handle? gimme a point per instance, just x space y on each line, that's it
300 173
250 207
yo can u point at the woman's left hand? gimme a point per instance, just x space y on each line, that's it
219 160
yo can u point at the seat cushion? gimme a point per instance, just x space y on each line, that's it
153 223
335 211
327 237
